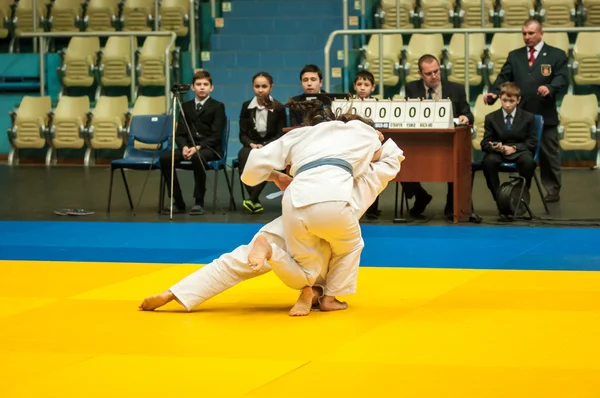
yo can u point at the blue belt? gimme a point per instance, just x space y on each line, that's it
316 163
326 162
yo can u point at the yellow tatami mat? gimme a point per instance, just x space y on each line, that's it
74 330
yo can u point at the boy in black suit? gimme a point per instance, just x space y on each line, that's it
542 73
509 137
430 87
311 79
206 119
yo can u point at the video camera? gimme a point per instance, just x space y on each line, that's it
181 88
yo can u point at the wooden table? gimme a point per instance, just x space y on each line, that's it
436 155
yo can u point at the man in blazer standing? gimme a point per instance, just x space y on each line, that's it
542 73
509 137
430 87
206 119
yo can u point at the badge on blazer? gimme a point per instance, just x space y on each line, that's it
546 69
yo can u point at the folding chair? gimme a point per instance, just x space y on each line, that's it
148 129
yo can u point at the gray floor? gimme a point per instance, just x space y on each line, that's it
34 192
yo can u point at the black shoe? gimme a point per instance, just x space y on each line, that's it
552 198
420 205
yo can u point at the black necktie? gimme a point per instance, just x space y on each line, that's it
198 107
430 91
508 122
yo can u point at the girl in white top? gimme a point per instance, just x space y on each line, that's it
324 160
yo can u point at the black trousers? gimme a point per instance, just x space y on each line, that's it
253 192
198 166
491 162
550 160
416 189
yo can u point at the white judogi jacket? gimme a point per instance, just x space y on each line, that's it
354 142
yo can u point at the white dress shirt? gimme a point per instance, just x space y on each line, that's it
260 118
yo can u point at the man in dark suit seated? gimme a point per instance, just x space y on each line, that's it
430 87
509 137
311 79
206 119
542 73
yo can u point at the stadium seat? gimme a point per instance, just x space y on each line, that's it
70 121
392 48
102 15
388 13
456 58
558 13
586 56
501 45
418 45
23 19
514 12
480 111
174 16
436 14
151 62
558 40
5 13
28 126
79 61
470 13
138 15
107 127
591 12
578 122
116 63
65 16
148 106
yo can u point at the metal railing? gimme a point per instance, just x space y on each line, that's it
192 27
43 35
465 31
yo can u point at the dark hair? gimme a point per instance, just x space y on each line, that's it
427 59
510 89
202 74
311 68
265 75
532 21
365 75
316 112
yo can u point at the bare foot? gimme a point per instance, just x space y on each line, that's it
330 303
261 251
302 306
158 300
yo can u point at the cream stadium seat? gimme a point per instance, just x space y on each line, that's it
79 61
558 40
388 13
480 111
456 58
392 48
69 123
149 106
107 127
102 15
586 56
578 122
558 13
138 15
514 12
151 62
28 127
5 13
116 63
591 12
470 13
66 16
174 16
418 45
501 45
436 14
23 21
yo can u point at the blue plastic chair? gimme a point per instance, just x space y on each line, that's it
148 129
512 167
213 165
